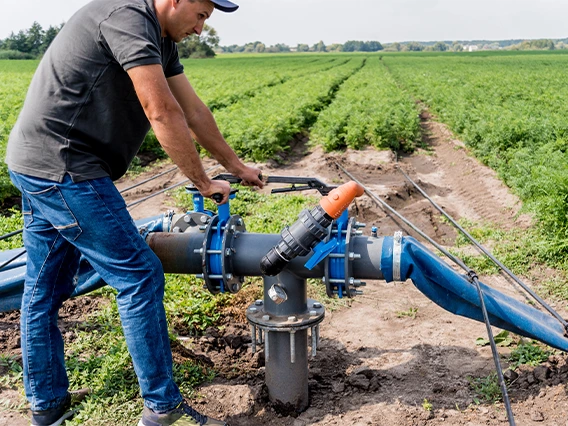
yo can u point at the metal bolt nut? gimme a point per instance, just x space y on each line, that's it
176 229
204 219
313 313
253 309
258 302
292 318
266 318
353 256
317 305
228 252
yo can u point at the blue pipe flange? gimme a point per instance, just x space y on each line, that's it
211 258
338 267
233 228
217 253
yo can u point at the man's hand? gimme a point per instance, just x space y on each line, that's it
251 176
216 187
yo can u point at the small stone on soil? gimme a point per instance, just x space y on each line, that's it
537 416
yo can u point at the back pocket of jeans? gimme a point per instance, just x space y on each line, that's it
55 210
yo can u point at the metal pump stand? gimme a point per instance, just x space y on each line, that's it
283 327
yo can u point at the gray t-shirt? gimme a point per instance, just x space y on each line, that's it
81 115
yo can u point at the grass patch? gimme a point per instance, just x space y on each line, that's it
486 389
520 250
410 313
528 353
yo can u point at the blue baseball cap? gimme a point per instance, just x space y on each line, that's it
225 5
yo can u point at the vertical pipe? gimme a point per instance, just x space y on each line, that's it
287 376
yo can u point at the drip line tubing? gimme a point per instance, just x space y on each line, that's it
11 234
210 169
392 211
12 259
122 191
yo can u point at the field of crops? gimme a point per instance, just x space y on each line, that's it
512 111
509 108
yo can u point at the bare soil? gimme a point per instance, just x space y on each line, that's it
375 366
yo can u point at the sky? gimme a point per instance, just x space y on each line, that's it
336 21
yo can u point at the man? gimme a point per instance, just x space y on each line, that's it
111 73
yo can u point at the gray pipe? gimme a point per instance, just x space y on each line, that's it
177 253
287 363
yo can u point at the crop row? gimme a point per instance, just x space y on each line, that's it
371 109
511 110
225 81
261 127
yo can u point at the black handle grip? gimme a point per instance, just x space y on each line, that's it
232 179
217 197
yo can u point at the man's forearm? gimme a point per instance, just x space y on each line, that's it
203 125
175 137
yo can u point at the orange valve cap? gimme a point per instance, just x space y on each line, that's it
339 199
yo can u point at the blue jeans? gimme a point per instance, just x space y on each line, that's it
63 221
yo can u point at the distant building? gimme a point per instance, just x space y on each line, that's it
470 48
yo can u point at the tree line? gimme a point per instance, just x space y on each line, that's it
28 44
34 41
259 47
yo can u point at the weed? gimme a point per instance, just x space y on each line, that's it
11 370
528 353
502 339
427 405
487 389
410 313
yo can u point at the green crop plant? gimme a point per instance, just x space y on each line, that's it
528 353
262 127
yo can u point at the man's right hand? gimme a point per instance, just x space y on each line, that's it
216 187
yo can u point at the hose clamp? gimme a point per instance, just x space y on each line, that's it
396 255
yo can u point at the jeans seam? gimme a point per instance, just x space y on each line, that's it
27 324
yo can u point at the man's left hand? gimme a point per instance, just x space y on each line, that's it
251 176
